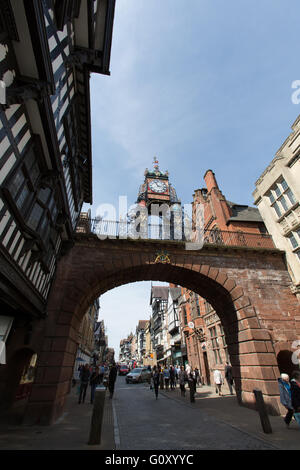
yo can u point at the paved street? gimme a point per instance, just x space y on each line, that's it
134 420
146 423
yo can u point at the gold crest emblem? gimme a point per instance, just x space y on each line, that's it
162 257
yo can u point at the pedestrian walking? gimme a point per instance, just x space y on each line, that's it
177 370
95 380
166 374
182 377
172 377
295 394
218 381
161 378
101 372
229 377
112 379
84 381
286 397
197 373
192 384
156 380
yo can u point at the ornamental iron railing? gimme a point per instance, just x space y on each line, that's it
128 230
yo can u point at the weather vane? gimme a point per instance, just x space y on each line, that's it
155 162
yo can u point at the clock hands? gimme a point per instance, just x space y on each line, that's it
158 186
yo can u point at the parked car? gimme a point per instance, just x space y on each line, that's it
138 375
123 370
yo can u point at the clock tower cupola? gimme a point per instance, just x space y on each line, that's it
156 188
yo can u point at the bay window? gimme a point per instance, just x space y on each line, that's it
281 197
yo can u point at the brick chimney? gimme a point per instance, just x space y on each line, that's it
221 210
210 180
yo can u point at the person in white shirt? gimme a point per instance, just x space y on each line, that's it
218 381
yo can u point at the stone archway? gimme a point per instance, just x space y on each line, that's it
248 288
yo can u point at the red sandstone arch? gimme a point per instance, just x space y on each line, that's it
239 284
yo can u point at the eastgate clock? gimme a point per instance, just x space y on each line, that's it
158 186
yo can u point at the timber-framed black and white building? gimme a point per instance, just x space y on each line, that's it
48 49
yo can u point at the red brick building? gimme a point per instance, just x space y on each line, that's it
225 222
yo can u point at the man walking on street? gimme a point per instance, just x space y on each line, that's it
84 381
112 379
182 377
172 377
166 374
192 385
229 377
218 381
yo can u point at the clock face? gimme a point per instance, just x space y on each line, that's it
158 186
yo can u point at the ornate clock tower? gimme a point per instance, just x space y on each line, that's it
158 190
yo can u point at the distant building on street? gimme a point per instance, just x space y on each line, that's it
174 327
150 354
86 352
158 302
133 350
100 340
109 356
141 340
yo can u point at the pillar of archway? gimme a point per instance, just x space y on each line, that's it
249 289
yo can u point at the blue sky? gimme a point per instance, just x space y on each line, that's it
200 84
